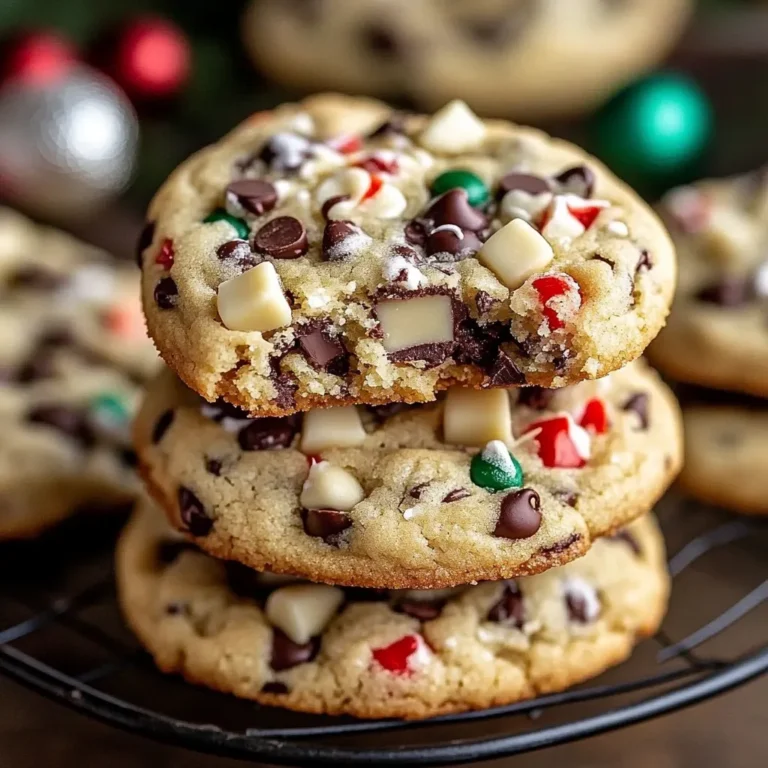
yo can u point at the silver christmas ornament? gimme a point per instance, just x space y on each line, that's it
67 146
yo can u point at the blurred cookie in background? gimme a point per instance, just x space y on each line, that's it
73 356
521 58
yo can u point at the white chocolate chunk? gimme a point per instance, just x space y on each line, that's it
330 487
388 203
519 204
516 252
409 323
331 428
453 129
254 301
562 225
303 611
477 416
350 182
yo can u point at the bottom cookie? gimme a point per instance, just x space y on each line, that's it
376 653
725 450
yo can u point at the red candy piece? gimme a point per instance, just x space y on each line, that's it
373 187
394 658
375 164
165 255
550 287
347 144
595 417
586 215
557 448
38 58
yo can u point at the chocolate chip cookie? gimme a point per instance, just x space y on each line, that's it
725 450
410 654
73 353
717 335
483 484
524 58
335 252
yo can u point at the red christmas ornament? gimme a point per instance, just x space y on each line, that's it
595 416
38 58
152 59
561 443
395 657
551 287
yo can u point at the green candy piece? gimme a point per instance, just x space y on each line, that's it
477 192
495 468
242 229
110 409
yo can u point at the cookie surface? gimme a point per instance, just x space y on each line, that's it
73 352
304 262
322 649
524 58
717 334
380 498
725 450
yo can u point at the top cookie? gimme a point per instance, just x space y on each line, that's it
718 332
335 252
531 58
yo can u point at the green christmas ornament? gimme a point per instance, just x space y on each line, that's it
495 468
477 192
242 229
109 409
654 132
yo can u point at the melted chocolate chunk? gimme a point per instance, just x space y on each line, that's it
255 196
456 495
166 293
504 372
285 386
568 497
145 240
268 433
416 232
162 425
431 354
275 687
237 252
600 257
578 180
169 550
520 515
193 513
579 607
453 208
213 466
639 404
448 241
283 153
423 610
561 546
644 262
731 291
417 491
510 608
323 350
629 539
525 182
68 421
282 238
537 398
286 654
484 302
339 240
325 524
382 41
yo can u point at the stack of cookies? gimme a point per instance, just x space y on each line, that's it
717 337
401 358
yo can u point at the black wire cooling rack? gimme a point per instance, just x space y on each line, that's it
61 635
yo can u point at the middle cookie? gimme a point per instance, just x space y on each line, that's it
484 484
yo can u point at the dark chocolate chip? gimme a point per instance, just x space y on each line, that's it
484 302
568 497
561 546
169 550
36 278
275 687
578 180
423 610
253 195
323 350
478 344
644 262
129 458
417 490
69 421
456 495
237 252
381 41
731 291
510 608
629 539
453 208
504 372
448 241
520 515
193 513
330 202
213 466
268 434
638 404
287 654
162 425
525 182
392 126
416 232
166 293
177 609
578 607
537 398
145 240
339 240
431 354
283 152
325 524
282 238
